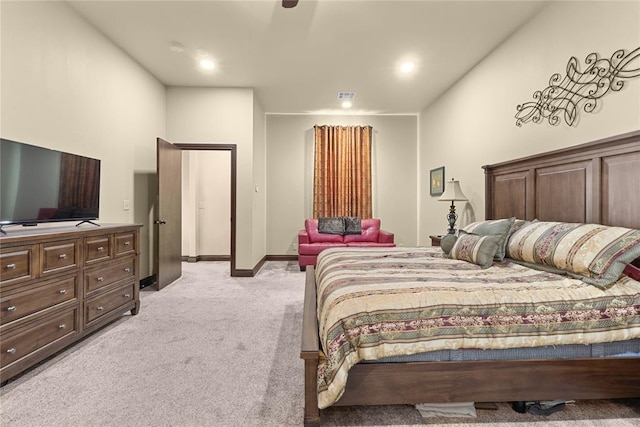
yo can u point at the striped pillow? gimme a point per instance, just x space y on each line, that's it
596 254
497 227
477 249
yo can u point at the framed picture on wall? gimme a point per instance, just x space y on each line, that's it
436 181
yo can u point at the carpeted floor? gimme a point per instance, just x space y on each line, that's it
211 350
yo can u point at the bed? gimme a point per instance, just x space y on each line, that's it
593 183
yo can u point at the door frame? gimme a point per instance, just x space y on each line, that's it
233 149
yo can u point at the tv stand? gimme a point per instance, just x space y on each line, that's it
87 221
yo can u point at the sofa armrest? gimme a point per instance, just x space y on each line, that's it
303 237
385 237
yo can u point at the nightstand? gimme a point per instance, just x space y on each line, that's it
435 240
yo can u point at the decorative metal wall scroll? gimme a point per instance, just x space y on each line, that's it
565 96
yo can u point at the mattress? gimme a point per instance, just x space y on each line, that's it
630 348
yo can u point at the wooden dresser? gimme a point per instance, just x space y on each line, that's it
58 284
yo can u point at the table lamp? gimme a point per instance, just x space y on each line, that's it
452 193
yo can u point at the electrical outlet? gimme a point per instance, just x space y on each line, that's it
126 205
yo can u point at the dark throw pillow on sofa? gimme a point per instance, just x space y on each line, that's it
331 225
352 225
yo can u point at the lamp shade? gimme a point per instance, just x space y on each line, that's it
452 192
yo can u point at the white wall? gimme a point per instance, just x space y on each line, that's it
473 124
221 116
65 86
206 196
290 140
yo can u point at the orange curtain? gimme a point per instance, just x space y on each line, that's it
342 171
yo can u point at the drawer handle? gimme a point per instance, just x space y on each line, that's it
62 326
11 308
11 266
128 270
62 291
100 308
100 279
62 256
11 350
127 295
100 249
127 243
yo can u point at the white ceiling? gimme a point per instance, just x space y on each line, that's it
297 60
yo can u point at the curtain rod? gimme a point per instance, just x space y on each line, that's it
343 126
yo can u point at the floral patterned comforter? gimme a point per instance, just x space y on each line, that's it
379 302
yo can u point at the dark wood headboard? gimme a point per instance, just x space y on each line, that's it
597 182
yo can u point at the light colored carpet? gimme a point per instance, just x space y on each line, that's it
211 350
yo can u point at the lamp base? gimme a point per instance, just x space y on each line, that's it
452 217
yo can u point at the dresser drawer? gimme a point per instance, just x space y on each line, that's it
17 345
125 244
107 302
16 264
98 278
38 298
97 248
59 256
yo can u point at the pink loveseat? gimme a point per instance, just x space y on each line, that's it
311 242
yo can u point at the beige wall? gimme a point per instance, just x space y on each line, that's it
65 86
259 183
222 116
290 140
473 123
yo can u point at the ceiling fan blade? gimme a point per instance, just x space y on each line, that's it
289 3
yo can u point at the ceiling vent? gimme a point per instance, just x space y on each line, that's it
346 95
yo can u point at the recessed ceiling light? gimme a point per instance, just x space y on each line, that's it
407 67
207 64
346 104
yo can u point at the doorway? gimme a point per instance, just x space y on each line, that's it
231 148
168 241
206 199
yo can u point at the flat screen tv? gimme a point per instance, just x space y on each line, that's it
43 185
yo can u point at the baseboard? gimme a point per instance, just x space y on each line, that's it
282 257
147 281
237 272
249 273
206 258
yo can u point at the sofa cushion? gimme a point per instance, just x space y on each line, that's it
311 225
370 245
370 230
316 248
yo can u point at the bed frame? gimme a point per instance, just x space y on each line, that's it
595 182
